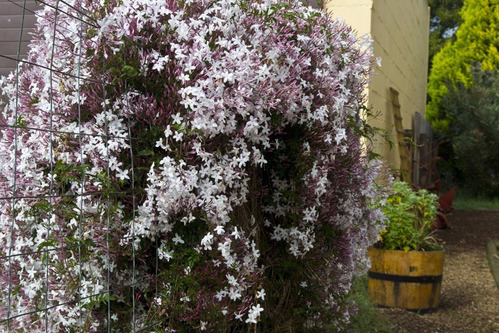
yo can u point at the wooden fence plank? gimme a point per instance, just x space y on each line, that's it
402 134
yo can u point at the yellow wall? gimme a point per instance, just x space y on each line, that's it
400 30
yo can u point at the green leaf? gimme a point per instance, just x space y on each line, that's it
129 71
146 152
33 102
50 243
20 122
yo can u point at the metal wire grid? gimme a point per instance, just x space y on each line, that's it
6 322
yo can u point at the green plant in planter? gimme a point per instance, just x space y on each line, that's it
410 215
407 262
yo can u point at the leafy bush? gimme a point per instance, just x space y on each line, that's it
472 160
186 165
410 215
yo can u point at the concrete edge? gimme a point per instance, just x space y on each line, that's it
492 252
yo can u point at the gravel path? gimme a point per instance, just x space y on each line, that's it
469 295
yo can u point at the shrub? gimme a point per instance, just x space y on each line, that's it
185 165
473 134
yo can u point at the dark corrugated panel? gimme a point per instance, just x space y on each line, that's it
16 7
11 13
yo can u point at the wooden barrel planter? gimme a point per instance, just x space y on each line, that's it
409 280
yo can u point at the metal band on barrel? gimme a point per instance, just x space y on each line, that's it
405 278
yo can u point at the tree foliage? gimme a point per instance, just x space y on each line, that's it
445 19
476 41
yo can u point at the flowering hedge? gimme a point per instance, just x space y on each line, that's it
184 165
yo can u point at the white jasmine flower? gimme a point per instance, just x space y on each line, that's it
178 136
177 118
219 230
254 314
207 241
231 280
177 239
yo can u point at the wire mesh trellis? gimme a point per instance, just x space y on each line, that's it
48 248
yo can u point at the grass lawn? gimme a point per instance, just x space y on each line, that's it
465 202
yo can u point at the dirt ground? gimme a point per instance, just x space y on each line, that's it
469 294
